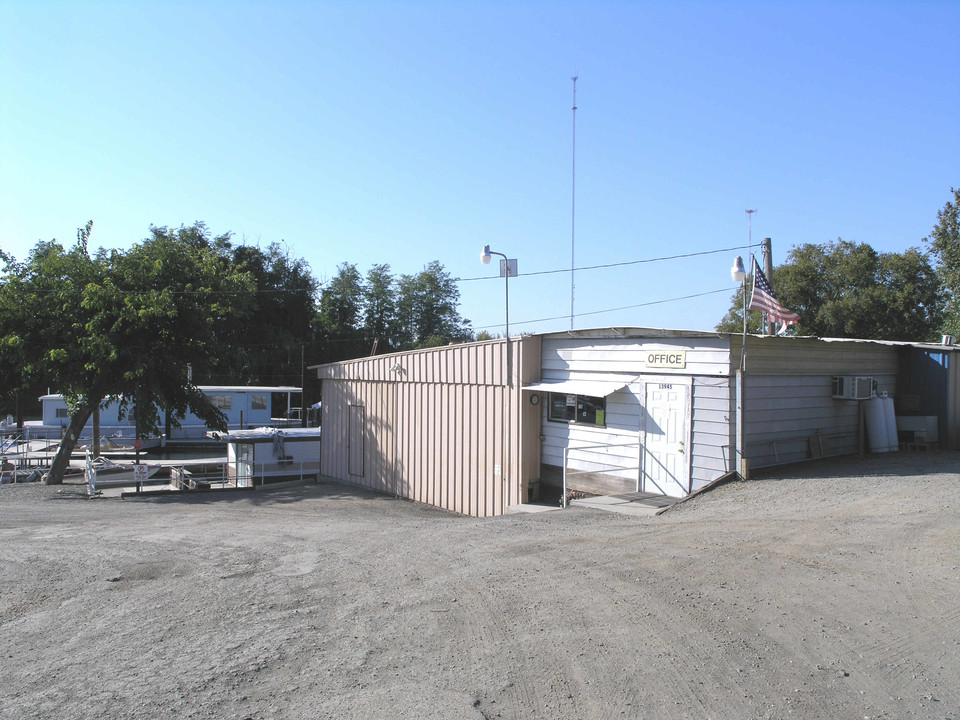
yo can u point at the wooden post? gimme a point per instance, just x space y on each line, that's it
770 329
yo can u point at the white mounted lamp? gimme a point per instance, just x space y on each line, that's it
737 272
507 268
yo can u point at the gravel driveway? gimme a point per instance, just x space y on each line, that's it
828 590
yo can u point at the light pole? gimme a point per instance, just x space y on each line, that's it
506 270
739 274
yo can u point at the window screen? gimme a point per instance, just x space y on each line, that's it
581 409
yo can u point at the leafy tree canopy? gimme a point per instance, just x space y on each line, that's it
122 325
266 345
944 243
845 289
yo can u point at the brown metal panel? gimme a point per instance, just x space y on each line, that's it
436 433
450 444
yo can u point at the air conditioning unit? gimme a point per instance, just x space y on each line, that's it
849 387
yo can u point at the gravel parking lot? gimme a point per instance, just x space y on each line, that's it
828 590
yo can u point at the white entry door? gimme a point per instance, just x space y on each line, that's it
665 456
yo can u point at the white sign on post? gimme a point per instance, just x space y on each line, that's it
139 473
508 268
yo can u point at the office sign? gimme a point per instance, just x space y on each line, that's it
667 359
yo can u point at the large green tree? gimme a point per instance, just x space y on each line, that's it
340 316
266 348
845 289
124 325
428 309
380 308
944 243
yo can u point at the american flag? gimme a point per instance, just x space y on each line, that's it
763 299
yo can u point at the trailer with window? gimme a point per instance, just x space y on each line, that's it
244 406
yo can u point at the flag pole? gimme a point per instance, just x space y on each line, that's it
744 468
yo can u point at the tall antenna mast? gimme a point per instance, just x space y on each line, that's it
749 260
573 199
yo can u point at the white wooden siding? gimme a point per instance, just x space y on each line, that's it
791 417
713 431
809 356
789 384
707 367
623 424
704 356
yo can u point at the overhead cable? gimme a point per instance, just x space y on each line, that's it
608 265
600 312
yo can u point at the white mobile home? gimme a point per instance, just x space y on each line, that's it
475 428
244 406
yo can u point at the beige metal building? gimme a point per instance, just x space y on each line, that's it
476 428
444 426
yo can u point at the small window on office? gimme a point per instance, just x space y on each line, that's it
580 409
63 413
223 402
259 402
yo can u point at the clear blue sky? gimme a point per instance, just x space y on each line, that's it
405 132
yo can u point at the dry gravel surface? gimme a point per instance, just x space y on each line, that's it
829 590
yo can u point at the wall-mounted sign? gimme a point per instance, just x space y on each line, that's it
667 359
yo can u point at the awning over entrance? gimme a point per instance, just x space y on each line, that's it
592 388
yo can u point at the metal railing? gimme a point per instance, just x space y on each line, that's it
293 470
619 468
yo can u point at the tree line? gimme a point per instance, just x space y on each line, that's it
843 289
183 308
380 312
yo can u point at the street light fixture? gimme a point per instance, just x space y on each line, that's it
739 274
507 268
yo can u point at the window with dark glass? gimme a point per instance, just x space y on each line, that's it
582 409
224 402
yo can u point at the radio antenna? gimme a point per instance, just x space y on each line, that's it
573 200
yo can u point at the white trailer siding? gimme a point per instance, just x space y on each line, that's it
790 412
704 377
244 406
624 414
713 432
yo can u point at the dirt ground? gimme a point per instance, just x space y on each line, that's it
829 590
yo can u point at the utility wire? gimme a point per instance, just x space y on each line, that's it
608 265
600 312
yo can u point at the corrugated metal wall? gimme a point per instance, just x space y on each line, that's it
441 426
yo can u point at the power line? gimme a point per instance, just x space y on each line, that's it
609 265
625 307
